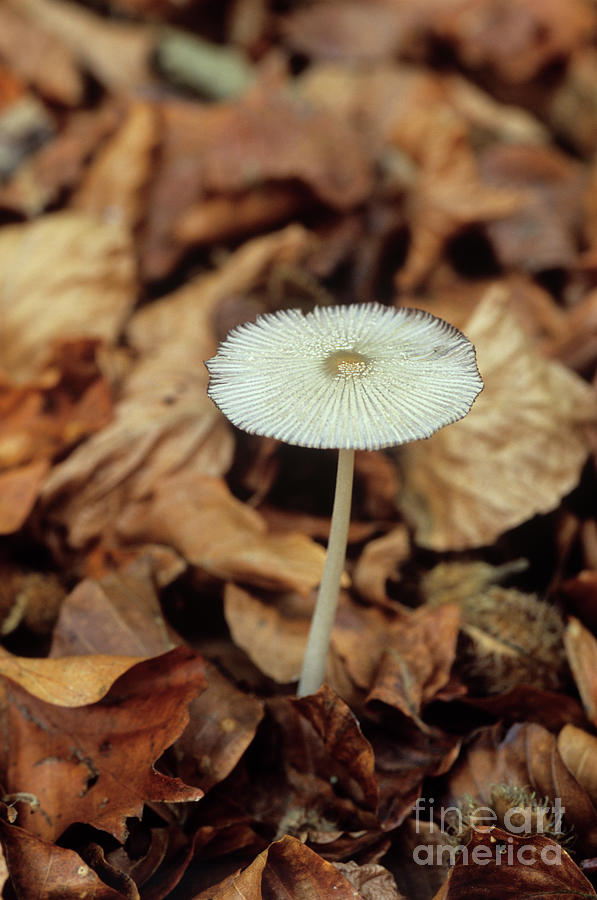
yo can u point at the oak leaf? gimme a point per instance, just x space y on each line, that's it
35 865
94 763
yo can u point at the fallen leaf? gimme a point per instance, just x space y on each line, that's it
115 184
373 882
94 764
514 866
73 277
59 163
117 53
504 38
229 148
400 659
222 723
117 614
164 422
517 453
223 217
214 531
35 864
70 681
526 756
19 489
274 642
45 63
577 749
379 561
288 869
581 650
348 31
542 232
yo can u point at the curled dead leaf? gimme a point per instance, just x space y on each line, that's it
69 681
94 763
581 650
214 531
516 454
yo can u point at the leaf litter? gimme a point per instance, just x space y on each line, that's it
159 568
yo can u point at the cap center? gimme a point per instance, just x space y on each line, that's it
347 363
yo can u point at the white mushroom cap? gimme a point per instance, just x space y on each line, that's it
345 377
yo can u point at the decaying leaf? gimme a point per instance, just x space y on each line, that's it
380 560
288 869
526 756
34 864
164 422
94 763
40 60
117 53
514 866
274 642
581 650
69 681
64 275
578 750
516 454
200 518
114 185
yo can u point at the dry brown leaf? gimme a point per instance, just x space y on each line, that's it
543 232
228 148
350 31
223 537
515 38
578 749
274 642
416 661
94 763
59 164
69 681
514 866
69 400
228 216
63 276
373 882
380 560
516 454
34 865
402 658
39 59
288 869
120 614
19 490
165 422
114 184
117 53
526 756
581 650
117 614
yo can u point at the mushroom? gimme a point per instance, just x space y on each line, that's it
357 377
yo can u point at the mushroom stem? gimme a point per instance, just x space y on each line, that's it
327 599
